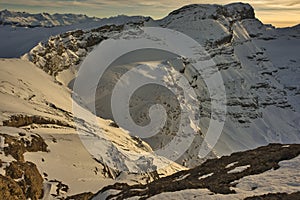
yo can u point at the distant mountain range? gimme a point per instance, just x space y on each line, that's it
24 19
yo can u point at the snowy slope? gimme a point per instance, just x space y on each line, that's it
31 108
258 63
272 169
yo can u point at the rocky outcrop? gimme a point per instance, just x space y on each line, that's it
25 120
69 49
29 178
217 175
16 147
233 12
22 179
82 196
9 189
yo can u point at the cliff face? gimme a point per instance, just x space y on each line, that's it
258 64
234 11
254 60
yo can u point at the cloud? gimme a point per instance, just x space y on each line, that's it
154 8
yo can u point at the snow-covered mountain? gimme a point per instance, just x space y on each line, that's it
259 65
39 130
255 61
42 19
20 32
24 19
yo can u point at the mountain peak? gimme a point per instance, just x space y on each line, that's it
240 10
236 11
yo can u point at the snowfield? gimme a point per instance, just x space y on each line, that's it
67 160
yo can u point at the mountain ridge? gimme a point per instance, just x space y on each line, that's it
244 51
25 19
259 65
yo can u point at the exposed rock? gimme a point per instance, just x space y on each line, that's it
114 124
15 147
61 188
10 190
213 174
236 11
25 120
28 177
82 196
22 178
68 49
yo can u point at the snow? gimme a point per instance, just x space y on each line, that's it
238 169
43 19
285 179
205 176
258 65
231 164
259 56
16 41
68 160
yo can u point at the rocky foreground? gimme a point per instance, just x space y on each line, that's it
22 180
219 176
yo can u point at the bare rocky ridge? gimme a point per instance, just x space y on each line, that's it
214 174
21 120
69 49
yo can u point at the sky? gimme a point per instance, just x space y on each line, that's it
280 13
